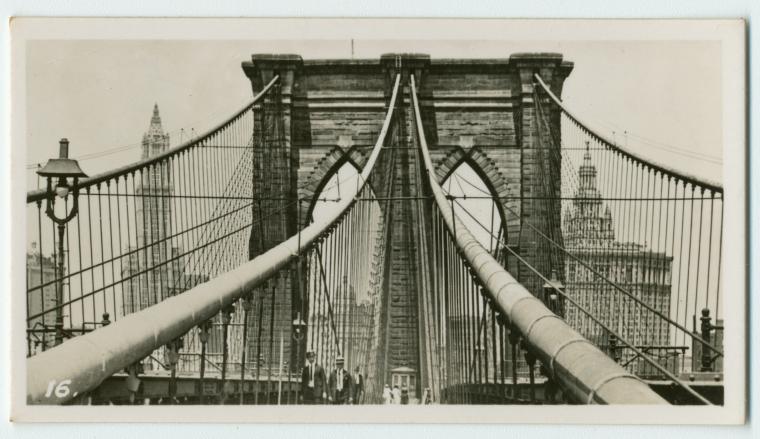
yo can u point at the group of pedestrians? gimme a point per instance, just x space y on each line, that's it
341 387
401 396
395 395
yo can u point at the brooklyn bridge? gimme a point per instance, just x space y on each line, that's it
449 227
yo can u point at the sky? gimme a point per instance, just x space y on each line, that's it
100 93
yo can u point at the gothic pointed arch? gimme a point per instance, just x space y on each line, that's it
448 160
317 168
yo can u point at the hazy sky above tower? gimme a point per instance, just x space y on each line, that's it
100 93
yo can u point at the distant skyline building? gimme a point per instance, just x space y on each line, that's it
40 270
354 322
589 235
155 269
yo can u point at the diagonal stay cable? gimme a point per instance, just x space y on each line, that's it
482 324
138 273
194 142
715 187
327 295
606 280
509 294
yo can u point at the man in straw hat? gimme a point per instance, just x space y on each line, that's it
340 385
313 381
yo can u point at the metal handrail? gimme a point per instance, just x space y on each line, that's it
40 194
86 361
704 184
586 372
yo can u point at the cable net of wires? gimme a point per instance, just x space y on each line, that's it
147 231
629 250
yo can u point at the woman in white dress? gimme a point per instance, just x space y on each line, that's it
396 395
387 396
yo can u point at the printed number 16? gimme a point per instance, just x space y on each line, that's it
61 390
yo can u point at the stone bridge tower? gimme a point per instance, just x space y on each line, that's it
476 111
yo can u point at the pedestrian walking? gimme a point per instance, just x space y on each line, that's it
340 384
428 396
313 381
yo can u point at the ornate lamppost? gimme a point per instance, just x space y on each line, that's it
299 332
299 327
204 330
552 296
226 320
480 351
67 173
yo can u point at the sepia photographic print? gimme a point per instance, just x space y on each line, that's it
420 220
